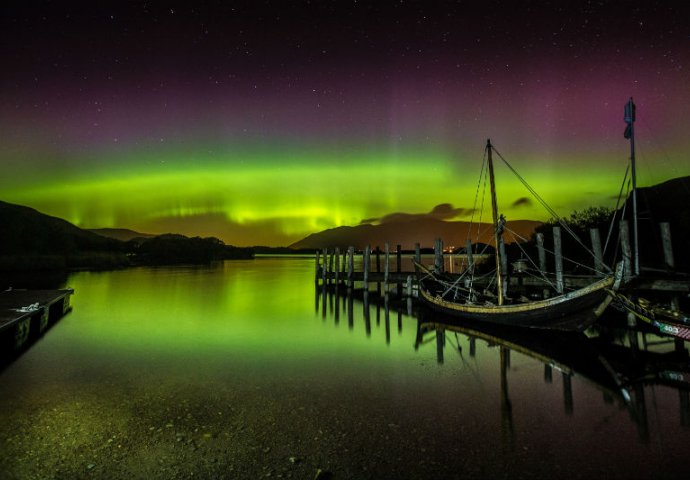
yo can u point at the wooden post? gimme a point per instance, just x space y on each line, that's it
669 260
318 266
350 265
627 253
595 238
417 253
438 256
386 266
666 242
337 265
557 247
325 265
367 260
542 252
330 266
378 259
409 285
398 258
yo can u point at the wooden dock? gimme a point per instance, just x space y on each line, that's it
25 315
384 267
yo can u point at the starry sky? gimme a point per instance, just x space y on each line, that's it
261 122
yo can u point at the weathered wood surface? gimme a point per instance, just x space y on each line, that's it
13 300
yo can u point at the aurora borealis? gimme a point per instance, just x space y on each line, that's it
262 122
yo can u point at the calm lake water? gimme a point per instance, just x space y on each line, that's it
245 370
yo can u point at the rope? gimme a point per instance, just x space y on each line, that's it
551 211
618 201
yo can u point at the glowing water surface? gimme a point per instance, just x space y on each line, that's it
237 371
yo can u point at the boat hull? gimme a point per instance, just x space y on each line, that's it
574 311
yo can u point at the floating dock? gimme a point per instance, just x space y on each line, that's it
25 315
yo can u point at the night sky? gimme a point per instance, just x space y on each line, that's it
262 122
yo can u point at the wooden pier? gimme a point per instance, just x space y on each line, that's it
338 268
25 315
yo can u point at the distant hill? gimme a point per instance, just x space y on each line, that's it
31 240
122 234
23 229
406 233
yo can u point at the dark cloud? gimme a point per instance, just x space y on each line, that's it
522 202
443 211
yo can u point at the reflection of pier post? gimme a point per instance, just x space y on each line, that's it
567 394
317 296
324 294
548 373
641 413
386 267
684 407
398 262
367 319
473 346
440 341
350 308
507 429
378 311
387 319
337 305
378 270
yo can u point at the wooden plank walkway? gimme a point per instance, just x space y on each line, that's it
26 314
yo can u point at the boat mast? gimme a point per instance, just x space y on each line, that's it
629 117
497 233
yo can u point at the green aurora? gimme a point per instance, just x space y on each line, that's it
282 194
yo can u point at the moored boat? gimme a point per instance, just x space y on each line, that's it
559 309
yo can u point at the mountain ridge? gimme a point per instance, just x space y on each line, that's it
409 232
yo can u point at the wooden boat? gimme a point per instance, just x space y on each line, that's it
573 310
664 320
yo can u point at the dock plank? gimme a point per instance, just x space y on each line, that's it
12 301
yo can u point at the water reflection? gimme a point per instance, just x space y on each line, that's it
624 365
231 370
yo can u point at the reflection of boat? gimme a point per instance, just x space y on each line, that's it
457 295
618 367
623 364
572 353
